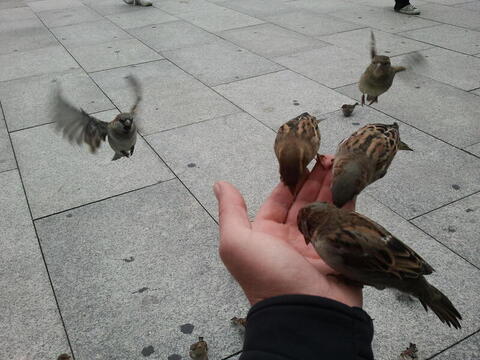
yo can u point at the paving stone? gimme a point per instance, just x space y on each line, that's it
443 2
258 8
474 149
463 70
312 24
113 54
444 104
199 161
343 66
475 5
7 160
15 14
176 7
382 18
220 62
56 183
44 5
456 226
171 97
468 349
11 4
31 327
219 19
280 41
173 35
77 87
140 17
120 297
109 7
95 32
451 15
399 319
406 189
450 37
476 92
278 97
69 16
35 62
321 6
358 41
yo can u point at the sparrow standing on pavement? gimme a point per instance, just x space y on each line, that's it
77 126
364 252
199 350
296 144
363 158
379 75
347 109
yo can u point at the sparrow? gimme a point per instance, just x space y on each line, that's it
296 144
363 158
239 321
348 109
410 353
77 126
199 350
364 252
64 357
378 77
138 2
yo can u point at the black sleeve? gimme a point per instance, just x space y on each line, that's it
307 327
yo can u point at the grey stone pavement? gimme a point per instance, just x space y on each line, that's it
114 260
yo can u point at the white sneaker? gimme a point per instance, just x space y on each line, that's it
409 10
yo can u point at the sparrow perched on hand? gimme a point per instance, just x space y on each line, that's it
364 252
138 2
296 144
378 77
348 109
199 350
363 158
77 126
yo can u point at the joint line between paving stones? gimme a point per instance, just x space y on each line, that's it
38 239
454 344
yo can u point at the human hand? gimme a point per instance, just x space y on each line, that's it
269 257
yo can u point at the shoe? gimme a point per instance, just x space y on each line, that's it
409 10
129 2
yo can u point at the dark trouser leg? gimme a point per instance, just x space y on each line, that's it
400 4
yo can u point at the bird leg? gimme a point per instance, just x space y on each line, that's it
125 153
363 99
131 150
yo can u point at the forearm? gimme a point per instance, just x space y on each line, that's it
307 327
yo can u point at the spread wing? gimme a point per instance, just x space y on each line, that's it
76 125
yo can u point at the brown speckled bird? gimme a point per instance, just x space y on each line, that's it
363 158
239 321
199 350
378 77
77 126
410 353
64 357
362 251
347 109
296 144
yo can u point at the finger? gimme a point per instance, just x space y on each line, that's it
276 207
232 211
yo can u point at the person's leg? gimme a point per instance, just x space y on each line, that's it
404 7
400 4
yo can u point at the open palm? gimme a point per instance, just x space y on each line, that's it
269 257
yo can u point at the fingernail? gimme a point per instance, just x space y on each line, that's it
217 189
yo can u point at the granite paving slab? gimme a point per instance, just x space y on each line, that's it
35 62
69 16
451 15
141 17
109 7
474 149
217 18
172 35
12 4
358 41
463 70
474 5
171 97
321 6
280 41
400 319
16 14
30 325
258 9
452 173
242 153
126 289
444 104
342 68
449 37
278 97
466 350
7 160
56 183
456 226
94 32
176 7
113 54
220 62
44 5
77 88
313 24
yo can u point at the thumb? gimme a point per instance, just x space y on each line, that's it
232 211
